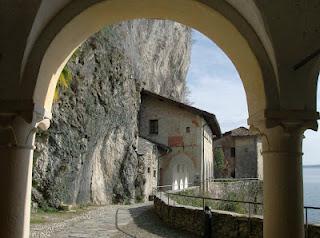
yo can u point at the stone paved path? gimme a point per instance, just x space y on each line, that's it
111 221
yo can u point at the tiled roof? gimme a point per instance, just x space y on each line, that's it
207 116
240 131
144 142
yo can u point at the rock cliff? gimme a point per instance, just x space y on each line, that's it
89 153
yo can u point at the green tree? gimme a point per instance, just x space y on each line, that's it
63 83
219 158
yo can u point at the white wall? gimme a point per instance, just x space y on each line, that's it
260 159
172 123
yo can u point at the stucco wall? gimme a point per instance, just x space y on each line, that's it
246 157
186 154
179 171
148 154
208 153
248 160
260 159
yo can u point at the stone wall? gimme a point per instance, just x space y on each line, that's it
313 231
224 224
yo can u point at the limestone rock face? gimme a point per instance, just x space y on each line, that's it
88 155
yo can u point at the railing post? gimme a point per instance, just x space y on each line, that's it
203 203
168 207
249 218
306 232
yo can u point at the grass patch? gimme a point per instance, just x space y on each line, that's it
216 205
37 219
52 215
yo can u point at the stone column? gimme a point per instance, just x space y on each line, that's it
283 182
16 157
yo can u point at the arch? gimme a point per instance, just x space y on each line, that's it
180 169
217 19
313 83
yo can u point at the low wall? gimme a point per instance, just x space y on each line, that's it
224 224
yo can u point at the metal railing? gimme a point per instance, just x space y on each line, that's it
213 199
170 193
167 188
306 208
166 196
231 179
176 193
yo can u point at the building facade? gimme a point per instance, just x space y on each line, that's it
187 131
148 153
242 157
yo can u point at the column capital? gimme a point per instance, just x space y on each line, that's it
41 119
287 119
282 131
16 132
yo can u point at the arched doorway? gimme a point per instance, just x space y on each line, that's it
180 172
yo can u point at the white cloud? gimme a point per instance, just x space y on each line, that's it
223 98
215 84
216 87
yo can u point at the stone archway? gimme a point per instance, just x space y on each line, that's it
247 48
219 21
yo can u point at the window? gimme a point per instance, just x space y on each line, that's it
148 170
178 168
233 152
188 129
153 127
154 173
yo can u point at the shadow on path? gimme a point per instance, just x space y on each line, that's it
117 226
146 223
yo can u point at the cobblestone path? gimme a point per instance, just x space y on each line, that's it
110 221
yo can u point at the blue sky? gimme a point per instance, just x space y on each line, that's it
216 87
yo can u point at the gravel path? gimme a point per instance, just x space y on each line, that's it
51 229
109 221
